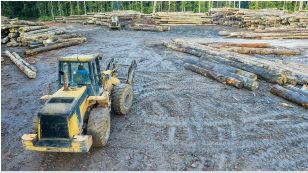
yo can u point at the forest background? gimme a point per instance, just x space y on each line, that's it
49 9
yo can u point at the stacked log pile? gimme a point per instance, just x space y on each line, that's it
104 18
182 19
77 18
266 21
240 70
36 36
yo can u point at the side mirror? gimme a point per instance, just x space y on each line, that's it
61 72
100 58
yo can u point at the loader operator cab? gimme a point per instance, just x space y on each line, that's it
82 70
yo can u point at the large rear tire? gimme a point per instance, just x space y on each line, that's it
122 98
99 126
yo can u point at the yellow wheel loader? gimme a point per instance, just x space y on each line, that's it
77 116
114 24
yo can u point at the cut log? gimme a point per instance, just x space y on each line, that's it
262 51
280 30
13 35
33 46
248 60
265 74
24 62
13 44
22 67
247 82
5 39
300 91
22 22
228 68
214 75
57 46
54 38
31 28
39 31
255 45
290 95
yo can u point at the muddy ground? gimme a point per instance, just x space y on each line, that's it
180 121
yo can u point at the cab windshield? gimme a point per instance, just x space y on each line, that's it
77 72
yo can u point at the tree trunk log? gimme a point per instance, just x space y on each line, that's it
13 35
279 30
300 91
57 46
22 67
290 95
262 51
214 75
5 39
247 82
255 45
33 46
250 60
31 28
38 31
24 62
21 22
13 44
52 39
265 74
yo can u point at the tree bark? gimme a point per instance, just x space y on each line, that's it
5 39
290 95
262 51
268 75
154 7
85 8
247 82
214 75
300 91
24 62
31 28
22 67
57 46
250 59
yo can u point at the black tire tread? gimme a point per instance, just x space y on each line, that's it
96 126
117 99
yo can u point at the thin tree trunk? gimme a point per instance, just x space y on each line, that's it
182 6
155 2
257 5
209 7
234 4
53 17
199 6
239 4
85 8
141 6
169 7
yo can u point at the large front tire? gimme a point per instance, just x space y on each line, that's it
122 98
99 126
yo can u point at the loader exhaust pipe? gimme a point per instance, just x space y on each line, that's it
65 81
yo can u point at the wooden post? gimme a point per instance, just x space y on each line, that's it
22 67
290 95
214 75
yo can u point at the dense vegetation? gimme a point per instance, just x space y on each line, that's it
49 9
